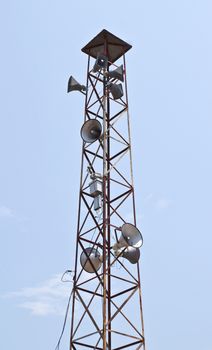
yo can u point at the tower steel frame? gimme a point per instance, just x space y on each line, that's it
98 316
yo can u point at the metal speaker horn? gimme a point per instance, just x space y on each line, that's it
73 85
132 254
101 62
91 130
117 73
91 260
116 90
130 236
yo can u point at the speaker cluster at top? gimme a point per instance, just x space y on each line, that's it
92 129
101 65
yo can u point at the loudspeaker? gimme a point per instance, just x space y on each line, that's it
101 62
132 254
130 236
91 260
117 73
91 130
73 85
116 90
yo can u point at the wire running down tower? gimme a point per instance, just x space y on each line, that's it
107 304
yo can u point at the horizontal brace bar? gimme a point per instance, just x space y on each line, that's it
95 77
121 195
116 115
128 345
119 153
86 336
120 183
91 242
124 334
123 292
92 113
90 279
92 153
87 346
89 291
123 279
87 194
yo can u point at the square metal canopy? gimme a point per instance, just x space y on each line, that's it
115 46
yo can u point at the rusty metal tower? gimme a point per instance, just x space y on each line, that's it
107 302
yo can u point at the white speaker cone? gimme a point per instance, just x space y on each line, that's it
132 254
91 130
90 260
132 235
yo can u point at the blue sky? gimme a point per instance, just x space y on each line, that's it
169 82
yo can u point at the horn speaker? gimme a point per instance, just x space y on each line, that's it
132 254
116 90
130 236
73 85
117 73
101 62
91 130
91 260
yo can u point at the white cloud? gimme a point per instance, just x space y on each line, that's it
149 197
39 308
50 297
163 203
6 212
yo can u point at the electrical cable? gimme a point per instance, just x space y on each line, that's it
66 313
67 271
